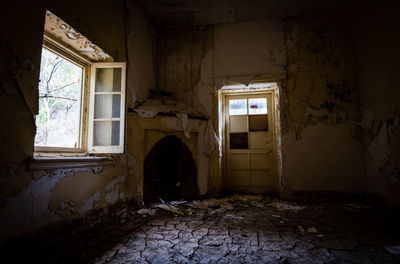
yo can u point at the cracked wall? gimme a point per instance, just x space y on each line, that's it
32 199
319 104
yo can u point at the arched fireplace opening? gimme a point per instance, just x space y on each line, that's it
169 171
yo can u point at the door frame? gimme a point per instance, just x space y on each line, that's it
273 90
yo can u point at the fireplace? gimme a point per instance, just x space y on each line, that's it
169 171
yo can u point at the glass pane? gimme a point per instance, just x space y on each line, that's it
258 106
237 107
238 124
258 123
58 121
107 106
108 79
238 141
106 133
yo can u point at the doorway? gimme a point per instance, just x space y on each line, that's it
249 149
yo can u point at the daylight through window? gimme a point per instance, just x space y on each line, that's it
60 97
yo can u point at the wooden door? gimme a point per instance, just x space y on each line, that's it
250 156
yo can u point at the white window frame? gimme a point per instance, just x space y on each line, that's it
87 103
107 149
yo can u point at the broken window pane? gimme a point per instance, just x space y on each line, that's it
60 87
258 106
238 107
238 141
258 123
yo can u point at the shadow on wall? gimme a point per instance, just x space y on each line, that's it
169 171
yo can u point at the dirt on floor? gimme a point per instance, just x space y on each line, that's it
235 229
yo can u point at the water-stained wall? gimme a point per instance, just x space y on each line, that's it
331 139
312 58
377 41
32 198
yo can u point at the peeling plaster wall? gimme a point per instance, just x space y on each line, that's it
377 38
146 132
319 105
140 77
32 199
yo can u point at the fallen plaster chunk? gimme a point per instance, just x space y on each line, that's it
246 198
146 211
189 211
276 216
395 250
175 203
170 208
257 204
219 211
312 230
284 206
199 205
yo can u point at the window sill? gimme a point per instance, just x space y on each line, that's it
45 163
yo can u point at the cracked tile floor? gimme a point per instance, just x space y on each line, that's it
236 229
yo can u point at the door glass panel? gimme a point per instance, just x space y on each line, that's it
238 124
238 107
257 106
238 141
108 79
258 123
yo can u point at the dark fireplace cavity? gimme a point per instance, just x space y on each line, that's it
169 171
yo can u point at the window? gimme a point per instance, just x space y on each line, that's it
81 104
106 125
60 97
248 120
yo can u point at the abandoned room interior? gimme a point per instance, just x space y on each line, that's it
200 131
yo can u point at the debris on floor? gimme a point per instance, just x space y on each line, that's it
146 211
228 230
393 249
281 206
312 230
170 208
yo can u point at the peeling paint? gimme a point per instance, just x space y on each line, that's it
61 30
